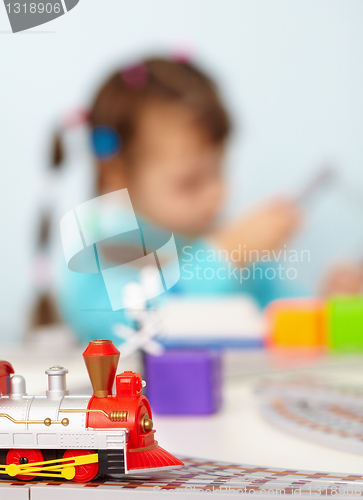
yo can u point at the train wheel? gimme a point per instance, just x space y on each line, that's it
84 473
20 457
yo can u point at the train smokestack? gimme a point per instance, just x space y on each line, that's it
101 358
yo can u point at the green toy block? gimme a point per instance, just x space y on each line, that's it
346 323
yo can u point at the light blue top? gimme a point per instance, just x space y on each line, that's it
205 270
85 305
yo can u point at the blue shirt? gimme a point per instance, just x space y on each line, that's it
204 270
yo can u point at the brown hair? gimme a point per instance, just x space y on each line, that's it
123 95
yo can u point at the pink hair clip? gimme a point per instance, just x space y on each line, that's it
135 76
182 53
75 117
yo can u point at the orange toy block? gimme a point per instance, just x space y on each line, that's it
296 323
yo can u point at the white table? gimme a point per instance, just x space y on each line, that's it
239 434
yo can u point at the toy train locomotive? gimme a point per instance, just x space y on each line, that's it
79 437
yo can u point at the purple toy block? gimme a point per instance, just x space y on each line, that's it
184 382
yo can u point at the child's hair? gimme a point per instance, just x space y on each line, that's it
123 95
118 103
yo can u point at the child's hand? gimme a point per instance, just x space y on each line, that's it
343 279
267 227
270 226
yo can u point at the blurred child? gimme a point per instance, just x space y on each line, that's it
169 132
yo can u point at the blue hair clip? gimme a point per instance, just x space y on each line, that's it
105 142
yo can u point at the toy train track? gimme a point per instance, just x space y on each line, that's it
320 413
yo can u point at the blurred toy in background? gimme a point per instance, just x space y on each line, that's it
335 323
211 322
78 437
185 382
345 323
296 323
180 381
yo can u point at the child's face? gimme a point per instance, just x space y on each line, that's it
176 181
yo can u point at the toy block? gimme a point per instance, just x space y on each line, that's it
184 382
346 323
296 323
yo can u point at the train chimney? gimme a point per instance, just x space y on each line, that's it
57 385
101 358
